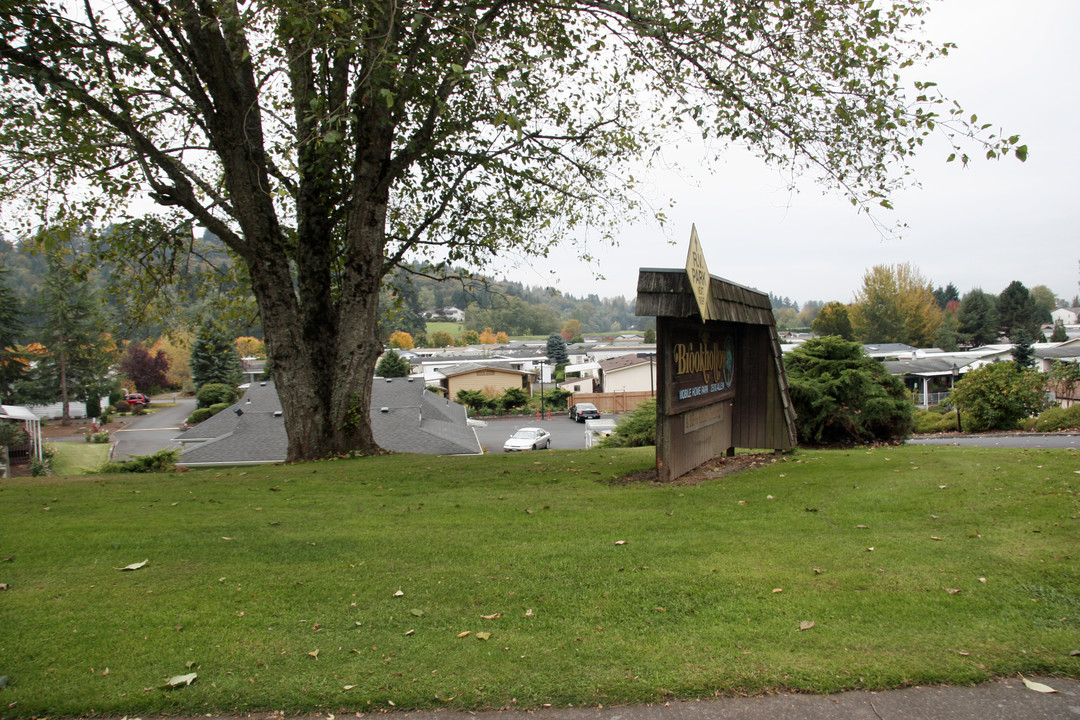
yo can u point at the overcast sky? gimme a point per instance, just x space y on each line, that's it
1017 66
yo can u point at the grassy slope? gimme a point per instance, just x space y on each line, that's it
250 572
78 458
455 329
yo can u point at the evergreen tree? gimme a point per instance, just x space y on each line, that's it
945 295
1016 309
842 396
77 355
214 358
1059 334
978 318
392 365
12 365
1023 352
556 349
948 333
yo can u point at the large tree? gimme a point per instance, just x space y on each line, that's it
326 143
978 318
12 364
1017 310
896 304
833 319
79 354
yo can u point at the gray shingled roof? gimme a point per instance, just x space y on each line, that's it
620 362
415 421
463 368
1064 352
926 365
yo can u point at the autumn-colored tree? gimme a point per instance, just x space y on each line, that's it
896 304
571 329
833 319
145 368
177 348
441 339
401 340
250 347
487 337
501 338
470 337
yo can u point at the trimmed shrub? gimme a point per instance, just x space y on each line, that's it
218 407
160 461
214 394
638 429
475 400
121 407
512 399
198 416
935 421
998 396
1058 418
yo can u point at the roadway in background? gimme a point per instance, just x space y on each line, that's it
565 433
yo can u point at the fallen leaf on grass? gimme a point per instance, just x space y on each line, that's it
348 687
529 613
935 537
226 538
417 612
399 593
180 681
952 591
314 654
133 566
806 625
464 634
620 542
492 616
777 590
409 632
483 636
1037 687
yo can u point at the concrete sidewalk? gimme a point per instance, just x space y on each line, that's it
1007 699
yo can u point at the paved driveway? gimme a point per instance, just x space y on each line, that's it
1001 440
147 434
565 434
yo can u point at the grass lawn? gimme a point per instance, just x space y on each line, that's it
455 329
78 458
350 585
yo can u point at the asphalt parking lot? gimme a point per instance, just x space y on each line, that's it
565 434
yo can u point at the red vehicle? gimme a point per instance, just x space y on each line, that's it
137 400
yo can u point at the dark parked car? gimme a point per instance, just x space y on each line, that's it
583 411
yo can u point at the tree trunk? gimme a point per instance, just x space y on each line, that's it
65 418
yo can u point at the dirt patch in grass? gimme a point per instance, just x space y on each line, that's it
718 467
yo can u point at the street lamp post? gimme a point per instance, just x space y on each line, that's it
955 375
541 388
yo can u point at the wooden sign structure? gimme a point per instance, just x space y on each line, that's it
719 368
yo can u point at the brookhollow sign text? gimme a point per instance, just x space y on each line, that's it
702 368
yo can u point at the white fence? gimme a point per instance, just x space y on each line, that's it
55 411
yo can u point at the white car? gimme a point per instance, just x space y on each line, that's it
528 439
